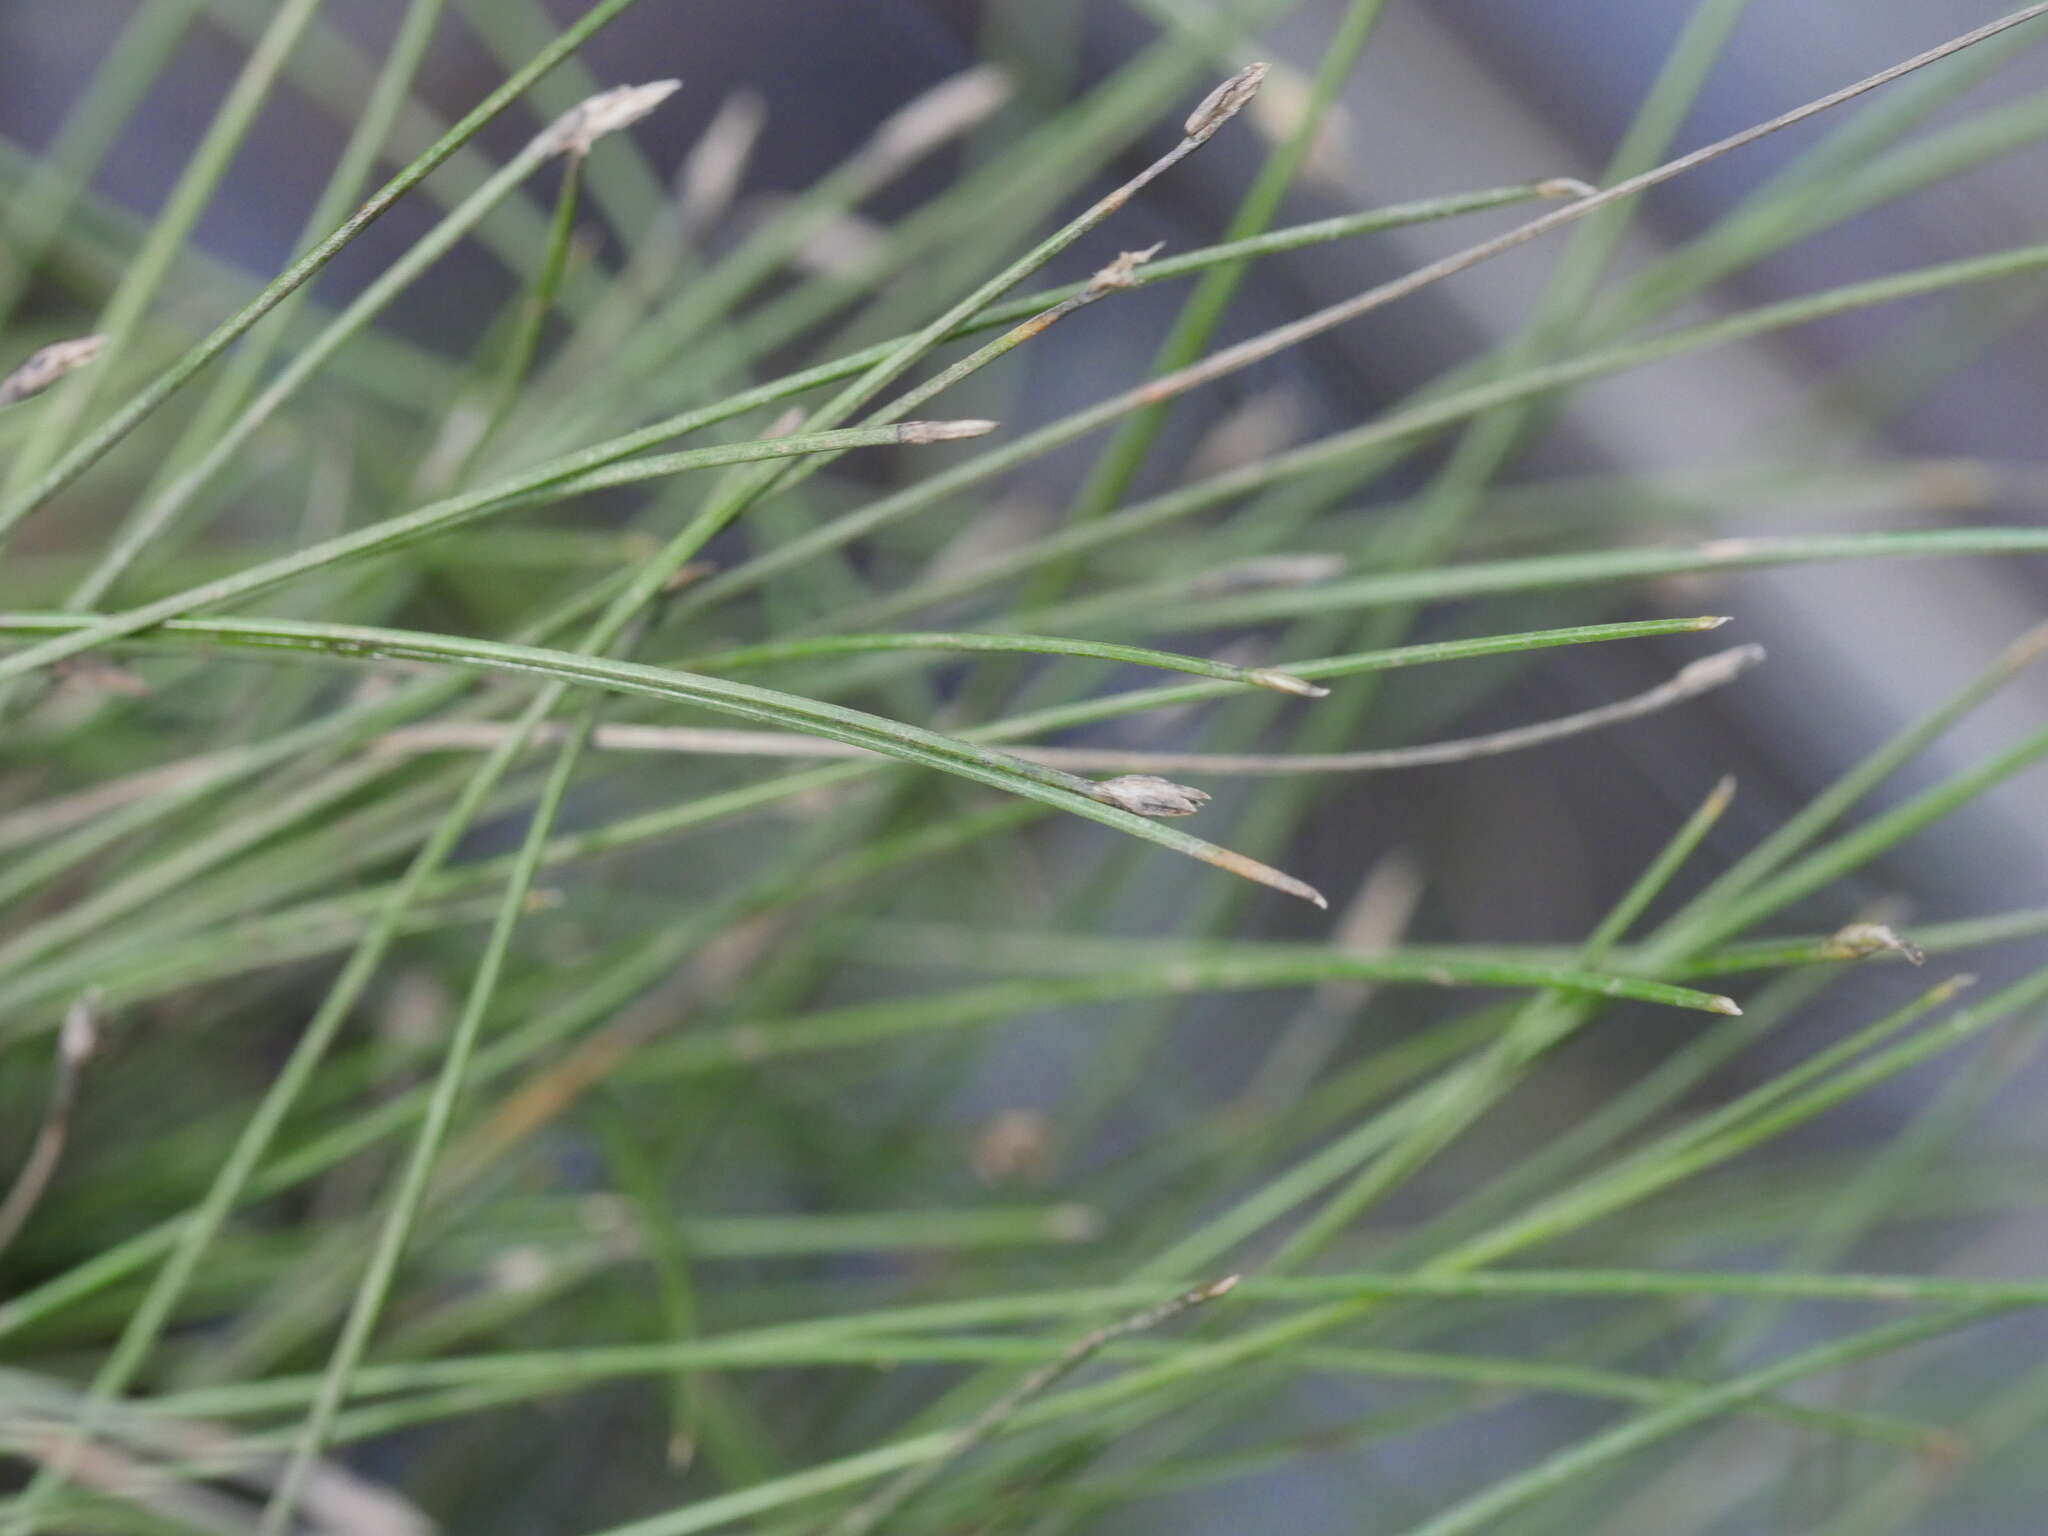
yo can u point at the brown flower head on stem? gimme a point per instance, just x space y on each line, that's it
1225 102
1149 795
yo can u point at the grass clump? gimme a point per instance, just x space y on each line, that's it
524 861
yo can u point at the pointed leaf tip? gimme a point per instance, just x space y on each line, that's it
575 131
943 431
1286 682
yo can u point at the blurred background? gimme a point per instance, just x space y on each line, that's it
1918 415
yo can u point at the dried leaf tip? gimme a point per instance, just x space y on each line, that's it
1859 941
1722 666
1260 874
1266 875
1563 187
1286 682
1149 795
1225 102
2023 650
575 131
46 365
1941 992
1719 798
1257 573
951 107
943 431
80 1035
1122 273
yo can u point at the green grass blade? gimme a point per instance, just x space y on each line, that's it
96 443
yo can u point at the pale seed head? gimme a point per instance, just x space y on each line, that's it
1860 940
80 1035
942 431
47 365
1225 102
1286 682
576 130
1149 795
1121 273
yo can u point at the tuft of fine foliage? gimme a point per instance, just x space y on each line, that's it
701 905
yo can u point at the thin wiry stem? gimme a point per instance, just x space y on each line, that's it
1301 330
147 1321
894 738
627 352
646 583
382 1267
240 375
1261 347
438 517
1698 677
148 400
668 822
1483 1510
545 984
1694 923
1410 425
870 1513
144 276
1215 110
1294 237
75 1045
840 645
560 138
645 588
1122 457
55 183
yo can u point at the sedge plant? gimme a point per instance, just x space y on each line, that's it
698 915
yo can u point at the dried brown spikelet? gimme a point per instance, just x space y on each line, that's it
575 131
1225 102
1122 273
47 365
1859 941
1149 795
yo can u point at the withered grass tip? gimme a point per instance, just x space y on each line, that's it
1225 102
1149 795
576 130
1859 941
943 431
1122 273
46 365
1286 682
